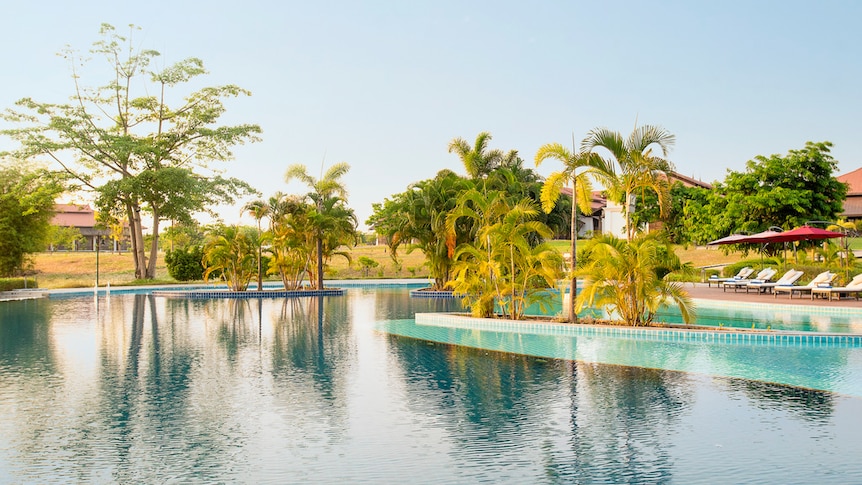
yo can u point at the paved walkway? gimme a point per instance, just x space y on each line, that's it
701 291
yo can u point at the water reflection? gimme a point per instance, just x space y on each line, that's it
815 407
24 334
618 423
141 389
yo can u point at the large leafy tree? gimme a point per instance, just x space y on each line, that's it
331 219
630 278
130 143
578 169
417 218
784 191
640 169
26 207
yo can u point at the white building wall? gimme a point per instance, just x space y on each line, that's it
613 220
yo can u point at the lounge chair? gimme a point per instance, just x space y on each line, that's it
835 292
824 279
743 273
787 279
764 276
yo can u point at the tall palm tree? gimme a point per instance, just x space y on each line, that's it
326 187
590 165
478 160
639 168
258 209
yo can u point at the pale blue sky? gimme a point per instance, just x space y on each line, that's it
384 86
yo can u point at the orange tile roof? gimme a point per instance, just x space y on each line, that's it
689 181
853 180
73 215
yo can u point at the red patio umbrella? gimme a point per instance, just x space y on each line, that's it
803 233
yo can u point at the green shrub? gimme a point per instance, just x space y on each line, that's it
367 263
8 284
185 264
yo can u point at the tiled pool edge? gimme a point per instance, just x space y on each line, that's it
213 294
776 338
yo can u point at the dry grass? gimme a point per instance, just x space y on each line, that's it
78 270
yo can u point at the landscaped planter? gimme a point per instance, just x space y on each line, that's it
205 294
429 293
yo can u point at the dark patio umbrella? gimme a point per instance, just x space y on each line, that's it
766 237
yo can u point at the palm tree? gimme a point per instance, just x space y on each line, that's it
291 237
478 160
327 187
229 252
258 209
502 263
638 167
630 278
590 165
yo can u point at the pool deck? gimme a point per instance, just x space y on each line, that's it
701 291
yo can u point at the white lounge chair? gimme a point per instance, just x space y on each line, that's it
854 287
764 276
824 279
743 273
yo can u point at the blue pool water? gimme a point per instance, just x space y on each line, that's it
768 315
133 388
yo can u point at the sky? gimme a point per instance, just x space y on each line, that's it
386 85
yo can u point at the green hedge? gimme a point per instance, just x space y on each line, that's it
185 264
8 284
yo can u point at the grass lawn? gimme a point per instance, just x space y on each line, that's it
78 269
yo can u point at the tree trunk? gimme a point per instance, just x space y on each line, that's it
319 263
136 233
573 284
259 257
154 247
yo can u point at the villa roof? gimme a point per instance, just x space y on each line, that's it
853 207
598 200
853 180
688 181
73 215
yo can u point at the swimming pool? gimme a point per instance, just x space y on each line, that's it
135 388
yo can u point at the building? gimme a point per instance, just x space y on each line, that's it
614 218
589 223
83 218
853 202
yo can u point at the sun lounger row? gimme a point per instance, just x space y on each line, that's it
764 276
741 275
823 280
819 286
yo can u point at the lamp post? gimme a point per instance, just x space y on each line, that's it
97 258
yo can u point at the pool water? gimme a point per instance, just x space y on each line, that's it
762 316
140 389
